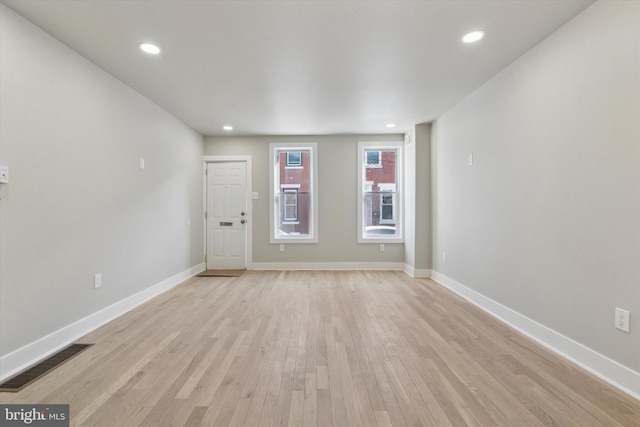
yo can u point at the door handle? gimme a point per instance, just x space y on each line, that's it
226 224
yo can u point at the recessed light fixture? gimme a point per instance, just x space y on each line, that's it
149 48
473 36
391 125
227 128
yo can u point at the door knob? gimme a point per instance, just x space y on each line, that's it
242 221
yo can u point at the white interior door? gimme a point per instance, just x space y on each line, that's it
226 215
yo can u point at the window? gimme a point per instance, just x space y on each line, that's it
387 208
294 158
373 159
294 193
379 187
290 205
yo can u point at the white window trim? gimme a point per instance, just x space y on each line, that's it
273 191
399 199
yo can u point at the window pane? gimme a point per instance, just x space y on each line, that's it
294 202
380 209
372 157
293 205
383 176
378 216
295 215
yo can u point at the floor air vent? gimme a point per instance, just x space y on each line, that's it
21 380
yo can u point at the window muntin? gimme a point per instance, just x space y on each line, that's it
294 195
379 186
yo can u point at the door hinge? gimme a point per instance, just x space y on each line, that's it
205 258
205 214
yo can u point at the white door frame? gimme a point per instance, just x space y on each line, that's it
249 234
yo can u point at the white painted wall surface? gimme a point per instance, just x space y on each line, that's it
78 203
547 220
337 188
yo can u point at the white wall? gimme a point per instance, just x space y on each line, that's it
337 187
547 220
418 239
77 203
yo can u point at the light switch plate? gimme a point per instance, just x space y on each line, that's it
4 174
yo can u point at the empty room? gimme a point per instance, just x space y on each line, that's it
320 213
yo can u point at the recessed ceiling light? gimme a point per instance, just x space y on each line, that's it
473 36
149 48
391 125
227 128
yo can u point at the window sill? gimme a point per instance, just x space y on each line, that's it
293 240
377 240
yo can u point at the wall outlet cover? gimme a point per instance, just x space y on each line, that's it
622 319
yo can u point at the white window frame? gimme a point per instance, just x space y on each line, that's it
398 210
276 186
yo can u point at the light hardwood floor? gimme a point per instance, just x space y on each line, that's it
321 349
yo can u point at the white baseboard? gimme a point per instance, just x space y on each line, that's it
417 272
601 366
327 266
32 353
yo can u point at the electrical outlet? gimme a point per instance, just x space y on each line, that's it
281 248
444 257
97 281
622 319
381 247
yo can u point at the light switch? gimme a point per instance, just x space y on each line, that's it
4 174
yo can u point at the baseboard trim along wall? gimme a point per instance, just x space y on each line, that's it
417 272
601 366
328 266
32 353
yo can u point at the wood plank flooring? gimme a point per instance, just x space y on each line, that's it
321 349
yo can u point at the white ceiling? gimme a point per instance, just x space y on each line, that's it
301 67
